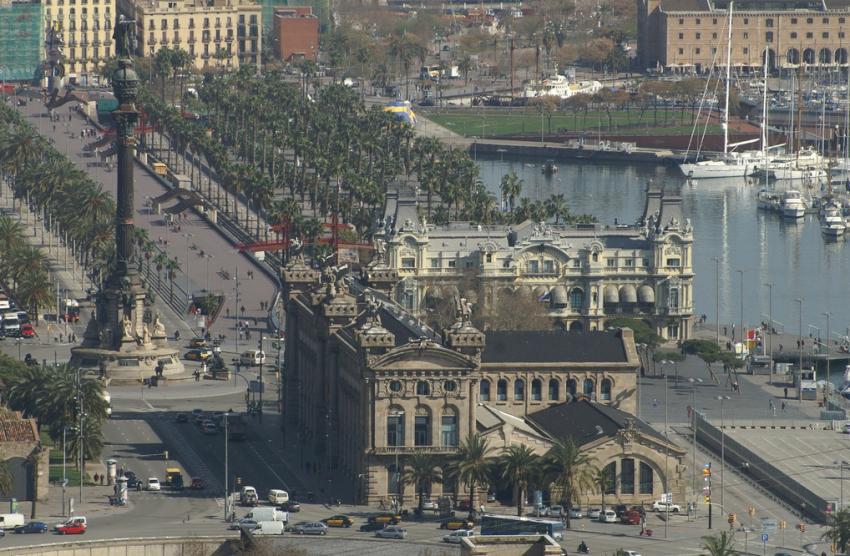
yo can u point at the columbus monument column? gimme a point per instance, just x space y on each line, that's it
126 340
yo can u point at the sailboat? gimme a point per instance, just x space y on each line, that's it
733 164
832 221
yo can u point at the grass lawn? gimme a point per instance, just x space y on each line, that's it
488 123
71 473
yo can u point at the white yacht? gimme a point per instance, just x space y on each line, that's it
560 86
792 204
807 165
769 200
832 221
732 165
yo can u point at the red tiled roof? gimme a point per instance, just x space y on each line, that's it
18 430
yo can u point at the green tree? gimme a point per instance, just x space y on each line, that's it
838 532
520 466
422 472
472 464
570 470
511 188
603 479
33 461
720 545
556 207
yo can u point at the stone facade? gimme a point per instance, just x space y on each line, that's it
19 444
201 28
692 35
584 274
367 385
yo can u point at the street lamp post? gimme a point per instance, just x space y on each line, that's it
717 295
800 349
828 383
770 329
694 382
226 483
841 465
208 256
187 235
666 455
722 450
743 335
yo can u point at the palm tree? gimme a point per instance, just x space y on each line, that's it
511 188
839 530
33 460
422 473
556 206
472 464
520 466
720 545
604 480
569 470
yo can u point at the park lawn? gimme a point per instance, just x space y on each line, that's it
490 124
71 473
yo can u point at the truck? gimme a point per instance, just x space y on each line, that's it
71 310
236 427
174 478
248 496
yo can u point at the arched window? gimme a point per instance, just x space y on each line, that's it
588 389
393 479
395 427
449 435
572 386
519 389
576 299
611 478
645 479
595 257
536 390
484 391
423 388
605 389
422 427
627 476
554 389
502 390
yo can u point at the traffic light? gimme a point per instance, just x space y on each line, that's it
783 524
708 499
802 527
751 511
732 519
706 470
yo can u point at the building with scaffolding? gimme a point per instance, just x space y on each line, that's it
21 40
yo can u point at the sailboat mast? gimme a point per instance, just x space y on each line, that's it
728 79
764 111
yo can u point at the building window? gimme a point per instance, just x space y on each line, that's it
422 430
408 262
519 390
163 24
395 386
674 262
698 36
746 21
768 22
450 386
452 263
577 262
840 20
423 388
627 476
672 331
554 389
841 34
809 20
449 432
611 262
674 298
746 35
681 36
605 390
824 35
630 262
533 267
175 24
645 484
549 267
768 37
793 35
484 390
681 21
825 20
714 35
595 257
589 389
611 475
435 263
488 258
746 50
576 299
714 21
698 21
571 387
395 429
681 51
536 390
793 21
810 35
502 390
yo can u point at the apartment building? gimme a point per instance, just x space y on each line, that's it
86 26
215 33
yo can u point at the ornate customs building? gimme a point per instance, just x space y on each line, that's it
584 274
367 386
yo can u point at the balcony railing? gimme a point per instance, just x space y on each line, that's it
392 450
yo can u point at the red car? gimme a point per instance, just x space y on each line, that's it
71 529
27 331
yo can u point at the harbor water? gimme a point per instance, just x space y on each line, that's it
792 255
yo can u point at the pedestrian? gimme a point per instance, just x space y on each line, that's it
780 348
783 407
102 477
786 393
481 509
227 312
96 477
243 310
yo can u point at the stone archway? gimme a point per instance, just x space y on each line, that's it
809 56
840 56
825 56
793 56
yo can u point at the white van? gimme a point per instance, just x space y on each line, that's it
9 521
4 302
267 514
277 496
268 528
252 358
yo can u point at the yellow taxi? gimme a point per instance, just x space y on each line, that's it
338 521
387 519
198 354
455 523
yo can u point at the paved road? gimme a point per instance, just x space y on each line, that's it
204 238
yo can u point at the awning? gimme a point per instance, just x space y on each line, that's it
539 292
610 294
628 294
558 296
646 294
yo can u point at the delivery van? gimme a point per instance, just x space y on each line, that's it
252 358
277 496
267 514
268 528
10 521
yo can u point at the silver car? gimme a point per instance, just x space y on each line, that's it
310 528
392 532
245 523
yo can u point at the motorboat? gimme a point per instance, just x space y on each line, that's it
550 167
561 87
792 204
769 200
832 221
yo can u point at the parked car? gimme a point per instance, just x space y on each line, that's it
629 553
660 506
608 516
197 484
196 343
290 506
370 526
27 331
76 528
338 521
182 418
392 532
620 509
630 517
132 480
201 354
209 427
244 523
385 519
455 523
32 527
593 513
310 528
455 537
491 496
576 513
153 484
430 505
75 520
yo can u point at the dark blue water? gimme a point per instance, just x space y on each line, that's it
793 256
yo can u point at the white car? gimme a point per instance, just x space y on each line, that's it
457 536
593 513
392 532
430 505
557 511
608 516
846 429
629 553
660 506
153 484
575 513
